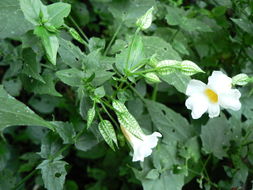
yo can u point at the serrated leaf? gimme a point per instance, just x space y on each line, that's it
57 12
49 41
13 112
34 11
126 119
31 66
12 19
90 116
218 129
66 131
107 131
53 174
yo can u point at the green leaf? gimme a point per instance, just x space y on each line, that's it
215 137
66 131
243 23
99 92
49 41
13 86
53 174
240 79
57 12
43 103
145 21
90 116
178 80
70 54
126 119
8 179
41 88
31 66
171 124
72 77
128 59
107 131
34 11
14 21
13 112
50 145
163 50
129 10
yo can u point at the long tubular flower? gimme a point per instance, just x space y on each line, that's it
209 98
142 147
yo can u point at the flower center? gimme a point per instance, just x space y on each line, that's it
212 96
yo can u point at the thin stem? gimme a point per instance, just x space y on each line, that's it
78 28
155 92
109 115
25 179
137 93
113 38
131 46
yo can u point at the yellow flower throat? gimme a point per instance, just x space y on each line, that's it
212 96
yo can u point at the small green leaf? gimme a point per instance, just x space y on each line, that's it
66 131
31 66
76 35
145 21
245 24
57 12
49 41
72 77
34 11
13 112
90 116
107 131
99 92
126 119
53 174
152 78
240 79
189 68
168 66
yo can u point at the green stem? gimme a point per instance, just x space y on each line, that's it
131 47
25 179
109 115
154 95
113 38
78 28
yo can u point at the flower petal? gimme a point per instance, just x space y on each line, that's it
213 110
198 103
195 86
219 82
230 99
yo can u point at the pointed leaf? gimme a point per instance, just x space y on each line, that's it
107 131
49 41
13 112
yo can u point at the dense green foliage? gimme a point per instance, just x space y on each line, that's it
74 72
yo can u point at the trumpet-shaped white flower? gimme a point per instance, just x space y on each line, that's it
142 147
209 98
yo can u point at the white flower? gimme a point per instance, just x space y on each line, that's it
210 97
142 147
